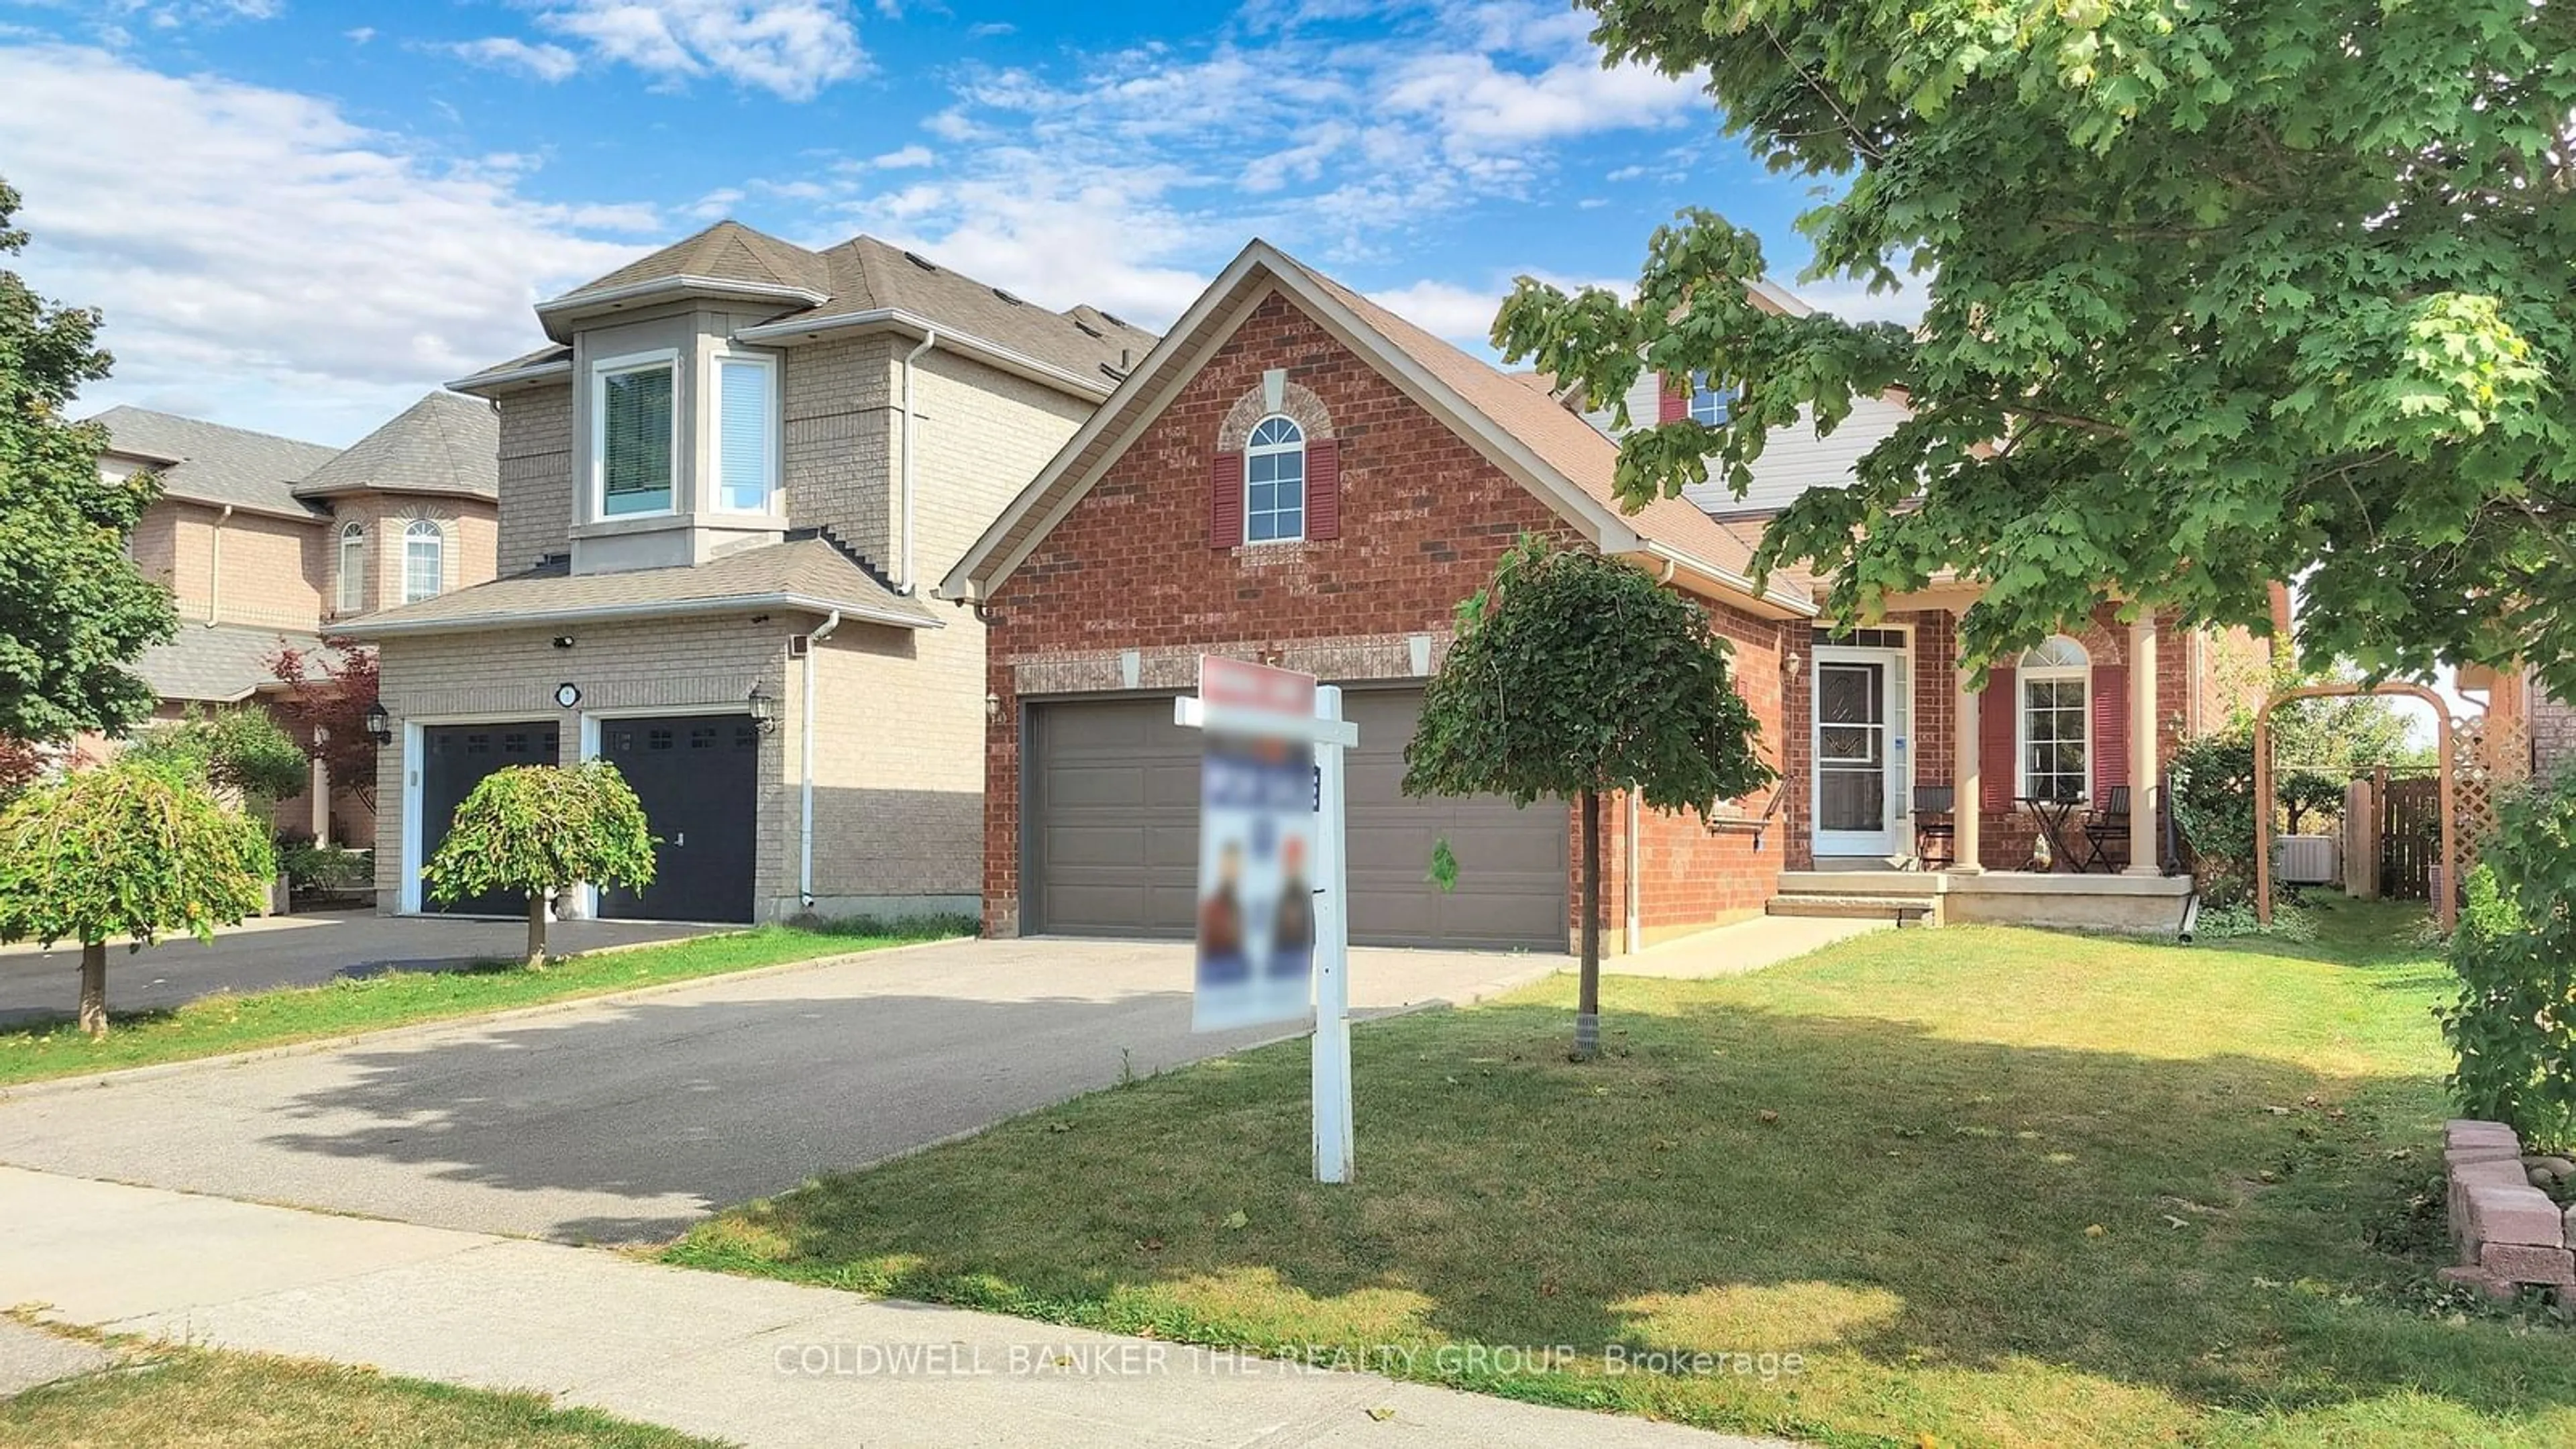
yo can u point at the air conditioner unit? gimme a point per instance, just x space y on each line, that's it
2309 859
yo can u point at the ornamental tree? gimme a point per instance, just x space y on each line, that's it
2214 295
328 694
74 609
1574 674
543 829
134 849
240 749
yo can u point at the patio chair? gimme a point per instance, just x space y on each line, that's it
2107 827
1936 845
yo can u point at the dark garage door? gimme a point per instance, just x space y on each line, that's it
455 760
1111 836
698 777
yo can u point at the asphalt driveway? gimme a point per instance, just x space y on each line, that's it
40 986
629 1120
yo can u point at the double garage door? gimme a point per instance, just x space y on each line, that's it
697 777
1110 834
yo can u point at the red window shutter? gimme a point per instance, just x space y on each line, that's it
2110 729
1673 404
1323 489
1225 502
1998 727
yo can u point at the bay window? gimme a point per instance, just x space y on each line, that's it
634 434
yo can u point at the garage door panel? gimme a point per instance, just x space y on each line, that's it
697 777
1113 834
456 758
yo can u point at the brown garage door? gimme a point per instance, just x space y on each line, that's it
1111 834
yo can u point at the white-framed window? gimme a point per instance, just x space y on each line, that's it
1709 404
634 434
2056 745
424 560
1274 482
746 433
353 568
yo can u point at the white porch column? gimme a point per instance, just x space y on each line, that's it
2143 795
1967 797
319 787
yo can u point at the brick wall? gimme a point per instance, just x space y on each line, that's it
1425 517
838 448
469 557
272 567
536 475
2553 730
512 674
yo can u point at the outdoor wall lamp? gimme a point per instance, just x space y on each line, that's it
764 710
992 708
380 725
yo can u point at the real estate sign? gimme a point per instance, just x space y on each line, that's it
1257 846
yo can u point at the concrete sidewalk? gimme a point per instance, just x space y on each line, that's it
1741 947
760 1363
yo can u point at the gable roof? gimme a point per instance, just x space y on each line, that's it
1551 451
809 574
862 282
202 462
443 444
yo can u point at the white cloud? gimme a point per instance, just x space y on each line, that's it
546 62
1475 102
985 29
1465 314
791 48
263 260
361 35
904 159
1854 302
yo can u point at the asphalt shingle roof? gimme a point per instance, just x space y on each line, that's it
445 443
865 274
810 573
217 663
217 464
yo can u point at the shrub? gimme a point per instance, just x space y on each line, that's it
2513 1027
240 748
2210 790
312 866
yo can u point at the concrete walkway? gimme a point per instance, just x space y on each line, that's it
1736 949
760 1363
31 1358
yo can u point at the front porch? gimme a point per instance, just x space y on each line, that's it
2130 904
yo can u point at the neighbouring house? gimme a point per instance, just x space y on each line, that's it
266 542
1297 475
721 483
2553 729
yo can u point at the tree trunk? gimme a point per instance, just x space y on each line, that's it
1587 1010
93 1007
537 929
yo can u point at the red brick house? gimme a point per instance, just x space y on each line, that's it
1299 476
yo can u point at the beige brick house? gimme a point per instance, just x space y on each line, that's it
264 542
724 484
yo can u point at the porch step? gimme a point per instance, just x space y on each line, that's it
1900 909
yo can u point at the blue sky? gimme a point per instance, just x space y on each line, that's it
298 216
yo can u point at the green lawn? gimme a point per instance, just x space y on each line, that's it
187 1399
1995 1186
229 1023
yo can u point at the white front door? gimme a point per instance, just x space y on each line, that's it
1860 722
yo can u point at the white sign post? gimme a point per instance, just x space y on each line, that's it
1250 930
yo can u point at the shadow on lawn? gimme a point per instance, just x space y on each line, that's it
1727 1180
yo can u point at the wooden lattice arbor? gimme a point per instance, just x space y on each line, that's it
2478 758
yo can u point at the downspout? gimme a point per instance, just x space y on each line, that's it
215 567
805 805
929 339
1636 929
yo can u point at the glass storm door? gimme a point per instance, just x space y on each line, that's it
1856 754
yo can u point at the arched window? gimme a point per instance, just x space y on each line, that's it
424 560
1274 482
2056 755
353 568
